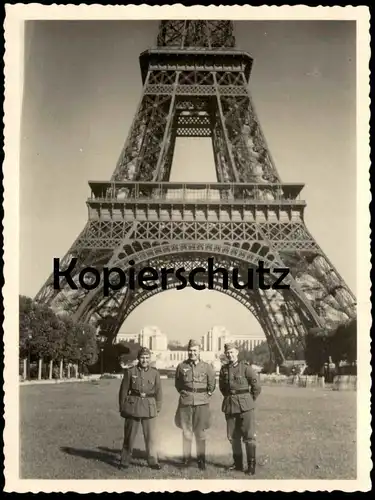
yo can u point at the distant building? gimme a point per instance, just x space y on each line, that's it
215 339
249 343
150 337
212 345
127 337
218 336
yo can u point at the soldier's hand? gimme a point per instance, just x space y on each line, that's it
183 392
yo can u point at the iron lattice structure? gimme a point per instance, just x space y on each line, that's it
195 84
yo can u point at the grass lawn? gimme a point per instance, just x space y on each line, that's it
74 431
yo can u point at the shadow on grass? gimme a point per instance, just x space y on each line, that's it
112 456
100 456
141 454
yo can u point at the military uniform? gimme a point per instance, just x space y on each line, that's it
239 385
140 400
195 381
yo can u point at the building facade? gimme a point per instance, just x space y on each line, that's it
150 337
218 336
212 345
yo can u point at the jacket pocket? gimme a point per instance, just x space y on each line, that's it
246 402
184 396
152 407
128 407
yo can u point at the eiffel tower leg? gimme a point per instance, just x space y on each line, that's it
228 150
141 157
326 290
111 310
270 329
160 172
85 257
249 151
93 248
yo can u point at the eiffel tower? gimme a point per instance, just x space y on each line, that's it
195 84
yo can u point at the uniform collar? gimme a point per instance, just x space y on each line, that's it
233 365
143 369
195 363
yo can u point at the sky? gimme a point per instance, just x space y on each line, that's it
82 85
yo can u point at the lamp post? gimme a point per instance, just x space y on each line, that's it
101 360
80 362
29 338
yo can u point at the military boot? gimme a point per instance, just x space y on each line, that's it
237 456
186 447
124 459
201 454
251 458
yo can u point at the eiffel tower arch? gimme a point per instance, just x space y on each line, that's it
195 84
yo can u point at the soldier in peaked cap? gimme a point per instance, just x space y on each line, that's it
195 382
140 400
239 385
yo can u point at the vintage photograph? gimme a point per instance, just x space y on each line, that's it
188 282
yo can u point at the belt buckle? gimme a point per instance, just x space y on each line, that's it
233 392
143 394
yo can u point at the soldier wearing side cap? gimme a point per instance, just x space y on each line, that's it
239 385
195 381
140 400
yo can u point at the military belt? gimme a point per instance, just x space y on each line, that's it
134 392
193 389
233 392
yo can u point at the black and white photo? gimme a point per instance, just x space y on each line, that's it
189 249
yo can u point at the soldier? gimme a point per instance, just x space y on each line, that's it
239 385
195 381
140 400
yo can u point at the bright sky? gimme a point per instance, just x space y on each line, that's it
82 87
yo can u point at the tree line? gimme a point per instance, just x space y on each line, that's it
54 345
47 338
338 345
57 341
320 347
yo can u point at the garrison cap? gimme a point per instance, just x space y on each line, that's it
229 345
144 351
193 343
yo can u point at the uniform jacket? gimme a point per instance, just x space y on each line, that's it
140 393
240 378
194 382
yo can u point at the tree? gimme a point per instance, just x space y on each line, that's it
46 335
344 342
317 350
261 354
88 343
26 319
39 330
80 342
108 328
128 352
114 355
339 344
245 355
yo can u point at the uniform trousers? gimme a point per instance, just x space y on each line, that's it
194 421
131 426
241 426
